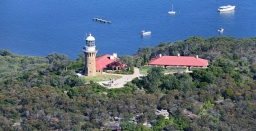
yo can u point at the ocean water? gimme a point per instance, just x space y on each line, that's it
41 27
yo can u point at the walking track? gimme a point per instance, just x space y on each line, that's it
122 81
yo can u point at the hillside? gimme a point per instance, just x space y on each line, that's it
45 94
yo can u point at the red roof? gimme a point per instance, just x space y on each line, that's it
103 61
179 61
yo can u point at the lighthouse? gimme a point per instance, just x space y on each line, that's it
90 56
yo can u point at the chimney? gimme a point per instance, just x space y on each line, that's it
115 55
178 54
111 57
160 55
196 56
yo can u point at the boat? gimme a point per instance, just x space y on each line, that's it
102 20
220 30
144 33
172 12
226 8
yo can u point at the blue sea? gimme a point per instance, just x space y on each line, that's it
41 27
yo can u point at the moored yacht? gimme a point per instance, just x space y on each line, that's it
220 30
226 8
172 12
144 33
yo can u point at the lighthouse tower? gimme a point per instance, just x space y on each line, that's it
90 55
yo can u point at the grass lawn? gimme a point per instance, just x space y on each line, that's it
100 77
144 69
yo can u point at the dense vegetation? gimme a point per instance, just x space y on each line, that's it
44 93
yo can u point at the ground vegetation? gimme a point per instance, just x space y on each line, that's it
44 93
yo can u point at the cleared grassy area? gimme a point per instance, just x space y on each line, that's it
168 70
101 77
174 69
144 69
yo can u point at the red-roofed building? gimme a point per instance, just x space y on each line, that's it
108 62
95 66
185 61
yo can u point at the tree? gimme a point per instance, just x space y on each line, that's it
180 123
126 125
170 82
138 82
229 93
74 81
5 53
141 128
185 82
73 92
153 79
145 54
58 61
253 68
128 60
203 75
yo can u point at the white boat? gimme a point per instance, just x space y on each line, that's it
226 8
172 12
144 33
220 30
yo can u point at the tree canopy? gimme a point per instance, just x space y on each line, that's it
43 93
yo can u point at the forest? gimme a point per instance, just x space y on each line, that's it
44 93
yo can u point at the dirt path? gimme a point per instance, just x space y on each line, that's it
122 81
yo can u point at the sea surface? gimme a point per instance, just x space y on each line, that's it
41 27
